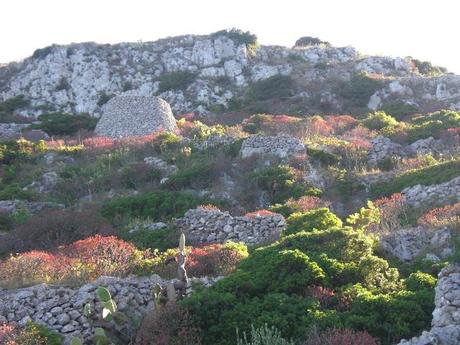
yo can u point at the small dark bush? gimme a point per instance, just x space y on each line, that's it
104 98
307 41
52 228
435 174
42 53
238 36
359 89
319 219
178 80
158 206
65 124
13 104
277 86
399 110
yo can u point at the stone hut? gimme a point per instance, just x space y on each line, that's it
125 116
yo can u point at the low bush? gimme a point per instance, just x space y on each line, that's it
238 36
359 89
399 110
317 219
379 120
81 261
432 125
31 334
339 336
263 336
178 80
65 124
54 227
303 204
161 239
158 206
277 86
203 260
307 41
435 174
170 324
446 216
281 183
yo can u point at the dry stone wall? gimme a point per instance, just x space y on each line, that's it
408 244
282 146
61 308
446 315
206 226
435 194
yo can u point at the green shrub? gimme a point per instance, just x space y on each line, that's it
399 110
419 281
277 86
263 336
104 98
359 89
178 80
379 120
14 191
199 174
432 125
158 206
11 104
427 69
280 183
272 287
317 219
238 36
161 239
65 124
166 141
324 157
435 174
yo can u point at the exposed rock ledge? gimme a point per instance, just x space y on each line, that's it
446 315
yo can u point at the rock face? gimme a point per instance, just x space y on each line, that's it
282 146
135 115
61 308
407 244
204 226
446 315
435 194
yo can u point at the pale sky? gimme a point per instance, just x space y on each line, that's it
425 29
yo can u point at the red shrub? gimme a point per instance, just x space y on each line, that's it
337 336
209 207
341 123
81 261
391 209
447 216
318 126
170 324
324 295
8 333
213 260
359 132
108 255
307 203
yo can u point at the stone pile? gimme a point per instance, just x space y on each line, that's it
408 244
206 226
12 206
61 308
282 146
446 315
383 148
435 194
125 116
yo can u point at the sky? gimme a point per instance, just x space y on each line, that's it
423 29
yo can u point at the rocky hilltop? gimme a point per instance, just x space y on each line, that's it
215 72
